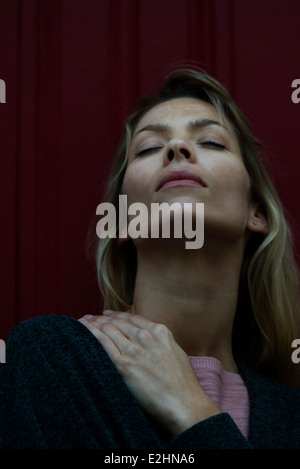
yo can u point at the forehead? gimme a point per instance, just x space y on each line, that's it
180 110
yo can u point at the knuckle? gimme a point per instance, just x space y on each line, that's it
106 326
162 330
123 362
125 366
144 335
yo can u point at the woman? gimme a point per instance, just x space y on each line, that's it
194 344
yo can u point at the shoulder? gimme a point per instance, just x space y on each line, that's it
274 411
53 336
266 389
264 386
41 326
43 322
44 329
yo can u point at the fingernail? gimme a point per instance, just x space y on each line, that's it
107 312
85 318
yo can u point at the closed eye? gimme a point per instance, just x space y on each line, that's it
211 143
208 143
147 150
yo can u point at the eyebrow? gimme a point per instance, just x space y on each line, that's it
192 126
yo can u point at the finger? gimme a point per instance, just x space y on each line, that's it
105 340
122 333
135 332
118 334
106 337
131 331
99 321
88 319
85 319
136 319
125 335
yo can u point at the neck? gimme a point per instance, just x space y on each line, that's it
194 293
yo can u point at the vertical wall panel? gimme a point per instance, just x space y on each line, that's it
9 72
124 59
85 145
163 39
224 45
266 62
27 171
48 154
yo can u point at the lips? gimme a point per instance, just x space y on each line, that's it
180 175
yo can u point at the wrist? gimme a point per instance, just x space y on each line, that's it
185 416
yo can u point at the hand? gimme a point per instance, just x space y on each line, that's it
156 369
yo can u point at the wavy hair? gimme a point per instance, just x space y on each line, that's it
267 314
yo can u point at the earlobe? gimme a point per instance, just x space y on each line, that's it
257 222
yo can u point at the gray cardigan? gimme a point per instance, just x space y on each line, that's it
59 389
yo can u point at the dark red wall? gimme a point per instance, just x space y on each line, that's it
73 70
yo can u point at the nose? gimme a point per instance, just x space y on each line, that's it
179 149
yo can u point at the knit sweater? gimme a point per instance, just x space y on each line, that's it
59 389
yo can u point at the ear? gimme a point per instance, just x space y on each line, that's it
257 221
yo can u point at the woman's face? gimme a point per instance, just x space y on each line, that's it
186 134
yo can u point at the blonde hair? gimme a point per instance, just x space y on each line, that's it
268 302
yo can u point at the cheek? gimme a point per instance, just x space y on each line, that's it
234 184
134 184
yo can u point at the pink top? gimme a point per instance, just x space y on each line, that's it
226 389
